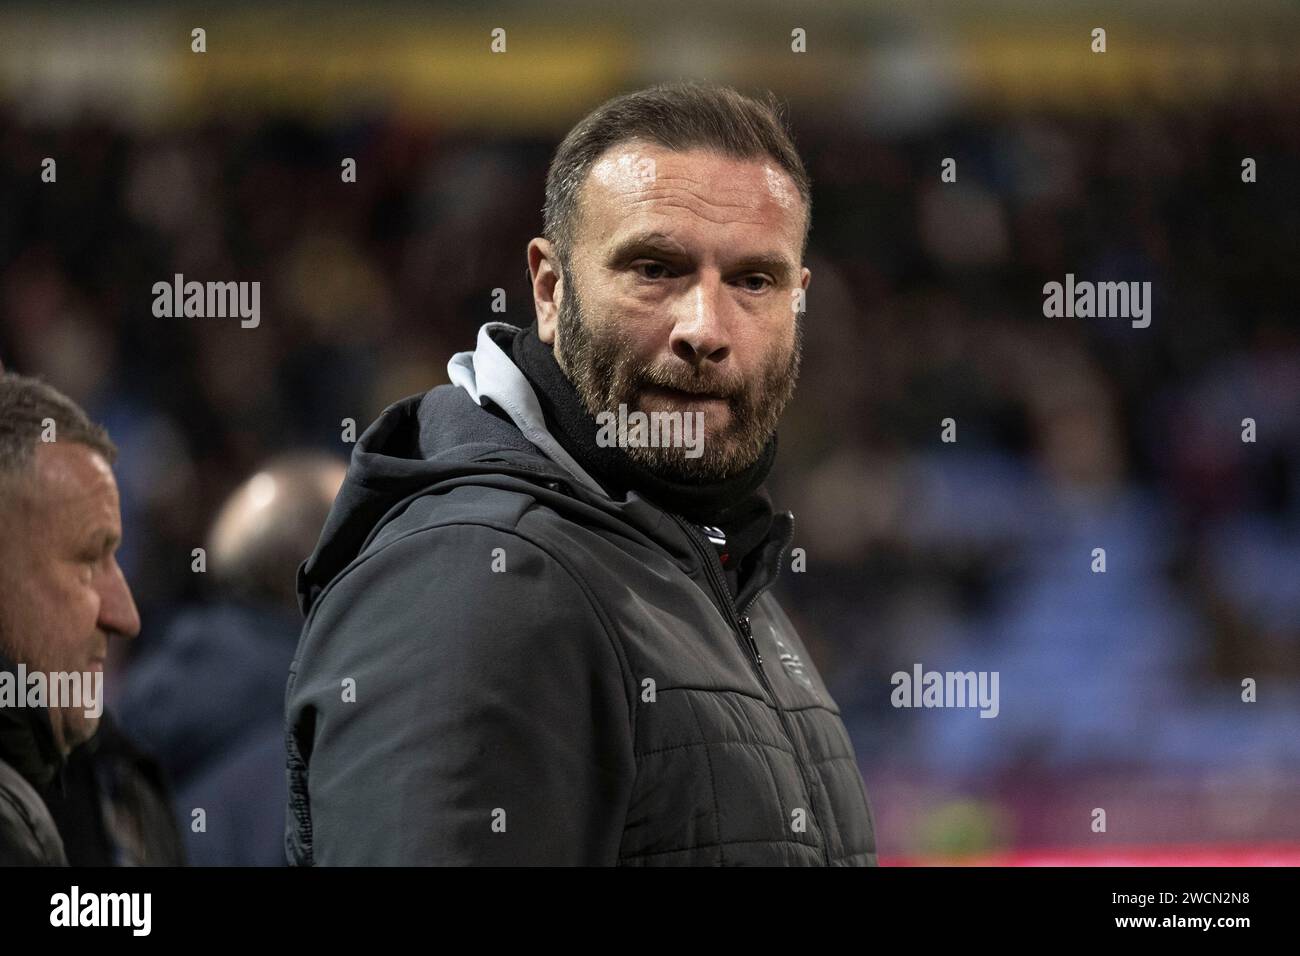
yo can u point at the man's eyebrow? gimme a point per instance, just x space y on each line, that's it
773 262
644 243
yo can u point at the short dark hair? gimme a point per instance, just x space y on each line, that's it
676 116
25 405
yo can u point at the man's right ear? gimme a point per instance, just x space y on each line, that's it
544 273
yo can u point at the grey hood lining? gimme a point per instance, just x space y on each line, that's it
488 374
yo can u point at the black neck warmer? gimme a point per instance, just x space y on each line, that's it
739 505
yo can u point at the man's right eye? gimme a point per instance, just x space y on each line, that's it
641 268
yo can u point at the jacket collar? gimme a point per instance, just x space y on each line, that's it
27 736
485 428
490 374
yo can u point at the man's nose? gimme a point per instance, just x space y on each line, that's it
700 330
117 612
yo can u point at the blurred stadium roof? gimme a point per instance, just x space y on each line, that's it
882 63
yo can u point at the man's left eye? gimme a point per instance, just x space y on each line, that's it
763 281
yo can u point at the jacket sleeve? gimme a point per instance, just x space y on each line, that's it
459 700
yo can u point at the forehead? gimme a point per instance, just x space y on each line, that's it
637 184
73 484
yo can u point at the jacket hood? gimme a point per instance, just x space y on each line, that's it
485 428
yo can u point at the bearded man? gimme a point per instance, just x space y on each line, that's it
526 645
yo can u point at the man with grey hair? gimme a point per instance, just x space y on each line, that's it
63 597
539 627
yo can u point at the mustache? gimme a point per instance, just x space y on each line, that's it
695 385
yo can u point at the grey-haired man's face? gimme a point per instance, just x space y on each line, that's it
682 296
64 594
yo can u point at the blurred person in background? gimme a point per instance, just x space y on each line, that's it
73 789
209 697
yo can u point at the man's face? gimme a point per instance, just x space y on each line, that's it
680 297
63 592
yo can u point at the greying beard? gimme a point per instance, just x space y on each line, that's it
603 381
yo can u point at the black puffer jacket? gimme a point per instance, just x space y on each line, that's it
28 836
104 804
29 762
502 665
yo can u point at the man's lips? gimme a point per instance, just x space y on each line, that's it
681 395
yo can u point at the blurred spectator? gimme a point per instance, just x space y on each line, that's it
209 695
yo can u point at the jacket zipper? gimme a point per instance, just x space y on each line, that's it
740 623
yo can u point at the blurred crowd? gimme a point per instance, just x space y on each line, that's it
1072 434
